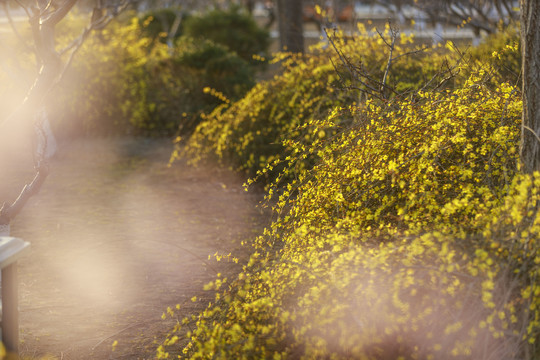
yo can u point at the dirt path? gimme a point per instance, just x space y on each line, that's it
116 237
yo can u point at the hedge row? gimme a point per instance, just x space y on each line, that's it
250 133
410 234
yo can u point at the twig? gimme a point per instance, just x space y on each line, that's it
7 213
119 332
76 44
444 80
25 8
189 252
13 27
340 54
390 59
368 88
412 52
506 106
55 17
532 131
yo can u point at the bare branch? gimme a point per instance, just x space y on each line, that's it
13 27
55 17
449 70
532 132
368 89
97 23
394 34
25 8
43 20
413 52
7 213
174 28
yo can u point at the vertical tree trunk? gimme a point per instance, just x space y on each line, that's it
291 31
250 6
530 48
51 68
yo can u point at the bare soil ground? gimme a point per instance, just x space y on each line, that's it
117 237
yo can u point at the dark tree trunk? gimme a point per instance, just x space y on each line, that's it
291 32
530 47
250 5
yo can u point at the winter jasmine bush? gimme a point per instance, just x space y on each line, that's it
250 133
410 234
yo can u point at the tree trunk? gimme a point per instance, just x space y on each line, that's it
530 48
51 68
250 6
291 32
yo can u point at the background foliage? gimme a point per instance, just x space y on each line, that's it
499 51
233 29
159 21
125 82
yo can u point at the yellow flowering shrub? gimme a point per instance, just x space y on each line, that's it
248 134
502 51
410 234
105 90
430 161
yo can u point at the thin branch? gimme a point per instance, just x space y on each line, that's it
13 27
390 58
55 17
511 14
532 131
368 88
340 54
174 28
121 331
449 70
25 8
506 106
76 44
51 69
412 52
7 213
96 24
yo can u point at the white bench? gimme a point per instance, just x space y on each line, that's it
11 249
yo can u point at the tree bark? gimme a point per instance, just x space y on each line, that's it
530 47
51 68
291 31
250 6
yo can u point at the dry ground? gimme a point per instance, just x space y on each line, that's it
117 237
